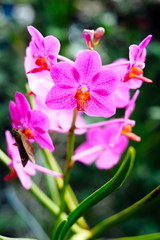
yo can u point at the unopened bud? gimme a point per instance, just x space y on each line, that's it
98 33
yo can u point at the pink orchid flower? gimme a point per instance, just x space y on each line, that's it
83 85
39 83
126 128
97 147
24 173
104 145
40 56
60 120
43 49
137 57
33 123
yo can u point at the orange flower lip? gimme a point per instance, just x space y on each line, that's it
82 96
28 133
127 131
43 65
134 73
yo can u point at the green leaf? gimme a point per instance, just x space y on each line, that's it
58 230
6 238
114 183
154 236
127 213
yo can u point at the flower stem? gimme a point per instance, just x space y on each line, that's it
4 158
51 206
70 197
44 199
69 162
127 213
153 236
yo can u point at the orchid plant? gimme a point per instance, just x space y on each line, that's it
60 91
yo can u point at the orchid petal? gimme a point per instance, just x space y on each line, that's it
107 160
44 140
88 63
25 179
145 42
46 171
103 106
22 105
51 46
59 98
104 82
65 75
14 114
38 120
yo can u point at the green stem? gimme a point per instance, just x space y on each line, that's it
44 199
4 158
6 238
69 163
154 236
141 205
70 197
51 206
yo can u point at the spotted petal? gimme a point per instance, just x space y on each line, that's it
88 63
59 98
103 106
65 75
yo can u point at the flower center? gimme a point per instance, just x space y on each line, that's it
28 133
42 64
127 131
82 96
134 73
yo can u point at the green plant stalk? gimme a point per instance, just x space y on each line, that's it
44 199
69 196
6 238
127 213
4 158
154 236
101 193
69 163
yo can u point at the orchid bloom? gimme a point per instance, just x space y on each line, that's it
83 85
33 123
97 147
40 56
137 57
104 145
43 49
16 169
125 128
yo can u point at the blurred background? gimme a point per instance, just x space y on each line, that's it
125 22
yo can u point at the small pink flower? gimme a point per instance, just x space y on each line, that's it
97 147
104 145
33 123
39 83
24 173
137 57
40 56
43 49
83 85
